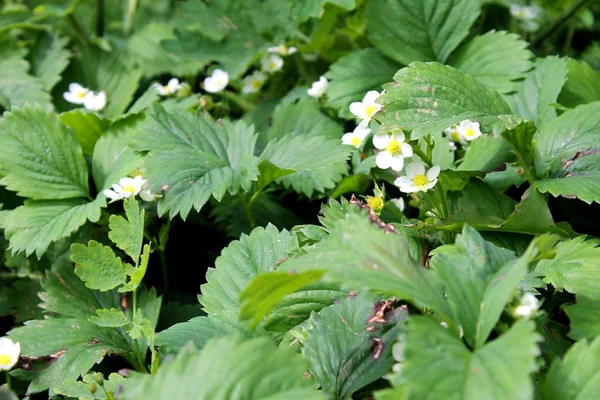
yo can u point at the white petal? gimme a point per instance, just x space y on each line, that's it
370 97
95 102
429 185
292 50
433 172
407 150
160 89
409 188
76 88
274 49
72 98
173 85
111 194
397 163
357 108
147 195
403 181
400 136
380 141
399 203
347 138
361 131
415 168
210 85
383 160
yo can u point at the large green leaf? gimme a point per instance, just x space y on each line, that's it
429 97
225 369
567 153
304 9
40 157
419 30
97 266
87 126
495 59
193 158
582 86
49 58
355 74
439 366
536 95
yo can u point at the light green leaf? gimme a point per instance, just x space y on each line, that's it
339 348
520 140
305 9
567 153
584 317
355 74
82 390
49 58
87 126
429 97
40 157
254 370
409 30
34 225
499 370
192 158
495 59
538 92
486 153
582 86
138 273
128 234
97 266
109 318
268 173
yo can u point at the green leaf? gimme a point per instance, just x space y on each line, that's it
538 92
97 266
567 153
252 369
499 370
520 139
495 59
582 86
486 153
572 377
268 173
137 274
355 74
83 389
87 126
339 348
109 318
305 9
34 225
192 158
429 97
41 158
240 262
49 58
408 30
128 234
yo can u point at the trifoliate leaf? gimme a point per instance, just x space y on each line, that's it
582 86
87 126
253 369
408 30
40 157
97 266
567 153
354 75
429 97
538 92
109 318
128 234
192 158
495 59
49 58
501 369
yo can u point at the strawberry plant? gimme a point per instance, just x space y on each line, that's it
300 199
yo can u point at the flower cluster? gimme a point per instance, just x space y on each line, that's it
129 187
78 94
463 133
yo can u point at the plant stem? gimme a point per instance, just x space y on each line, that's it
128 17
553 27
422 155
247 209
99 18
239 100
7 380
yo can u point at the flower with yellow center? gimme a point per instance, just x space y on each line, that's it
76 93
393 150
356 137
272 63
417 179
469 130
366 108
527 307
283 50
125 188
253 82
9 353
454 135
318 88
528 16
170 88
218 81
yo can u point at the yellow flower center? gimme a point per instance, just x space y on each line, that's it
166 89
272 65
455 136
375 202
129 189
394 147
420 180
355 141
81 94
370 110
256 84
5 359
469 132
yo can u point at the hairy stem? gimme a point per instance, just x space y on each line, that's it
237 99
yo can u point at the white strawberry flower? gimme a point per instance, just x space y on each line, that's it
9 353
76 93
95 102
283 50
469 130
393 150
527 16
356 137
217 81
170 88
417 179
367 107
528 305
318 88
253 82
272 63
125 188
455 135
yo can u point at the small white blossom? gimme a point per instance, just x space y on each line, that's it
170 88
527 16
527 307
455 135
147 195
469 130
253 82
318 88
217 81
95 102
9 353
393 150
452 145
76 93
367 107
399 203
356 137
125 188
417 179
272 63
283 50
